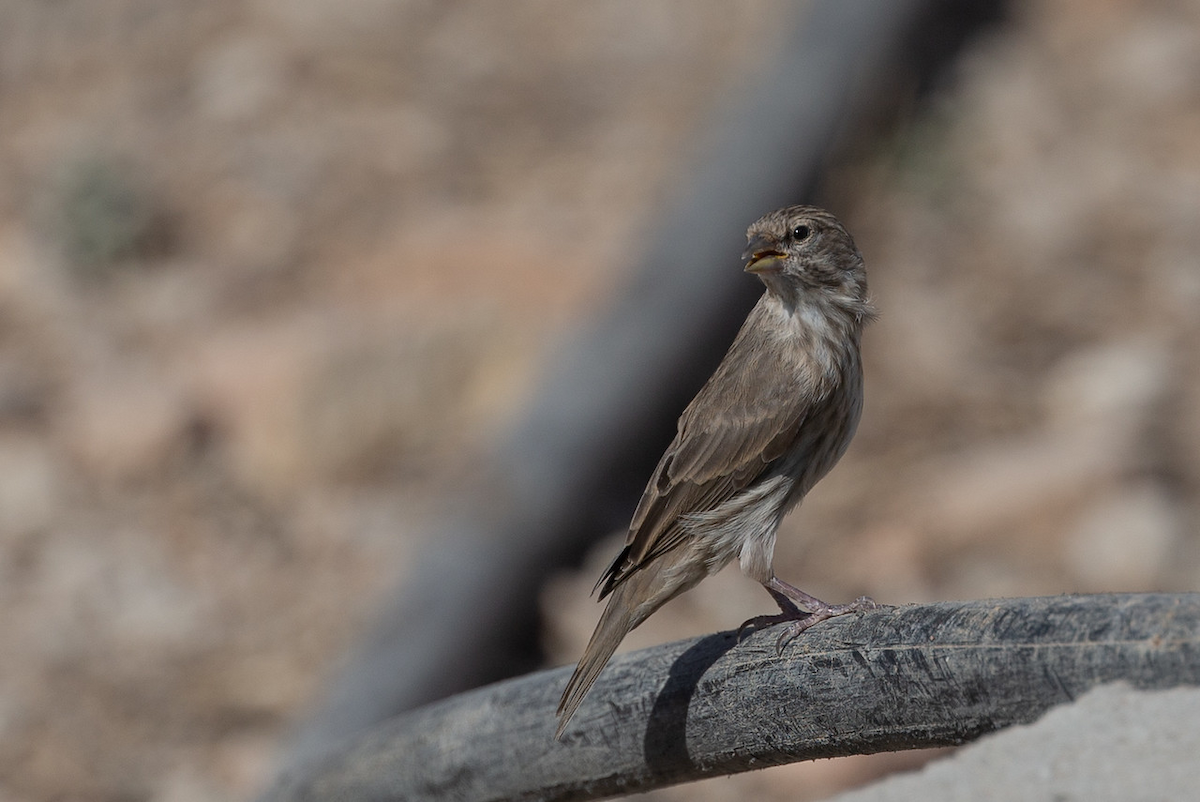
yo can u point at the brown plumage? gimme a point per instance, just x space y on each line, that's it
772 420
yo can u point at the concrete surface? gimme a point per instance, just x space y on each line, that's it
1114 743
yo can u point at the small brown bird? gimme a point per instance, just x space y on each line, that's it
773 419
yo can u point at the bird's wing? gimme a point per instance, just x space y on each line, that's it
736 426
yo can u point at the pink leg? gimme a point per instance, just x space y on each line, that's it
801 609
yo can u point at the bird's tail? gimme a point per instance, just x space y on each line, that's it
632 601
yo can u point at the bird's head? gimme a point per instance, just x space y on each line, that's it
803 252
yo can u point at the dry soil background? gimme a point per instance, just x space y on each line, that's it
272 272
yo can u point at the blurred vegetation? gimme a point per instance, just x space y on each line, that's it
105 215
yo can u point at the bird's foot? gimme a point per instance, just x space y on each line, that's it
801 610
822 612
788 612
763 621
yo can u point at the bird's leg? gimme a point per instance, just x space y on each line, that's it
801 609
790 612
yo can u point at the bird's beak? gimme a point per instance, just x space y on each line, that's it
762 256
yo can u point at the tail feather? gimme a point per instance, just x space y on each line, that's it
631 602
615 624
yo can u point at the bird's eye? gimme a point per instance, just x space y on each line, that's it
800 233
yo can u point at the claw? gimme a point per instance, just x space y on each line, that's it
801 610
761 622
785 638
797 627
862 604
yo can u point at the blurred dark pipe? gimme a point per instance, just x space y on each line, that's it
572 470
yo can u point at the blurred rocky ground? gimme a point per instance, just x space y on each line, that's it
273 273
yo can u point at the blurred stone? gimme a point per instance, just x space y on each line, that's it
1125 542
325 24
1154 63
27 280
246 380
238 77
408 138
250 228
244 764
890 559
23 389
1098 404
264 684
330 398
374 399
995 486
988 571
187 783
115 592
1176 273
167 305
31 486
928 343
1108 393
121 421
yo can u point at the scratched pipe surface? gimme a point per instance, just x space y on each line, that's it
896 678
